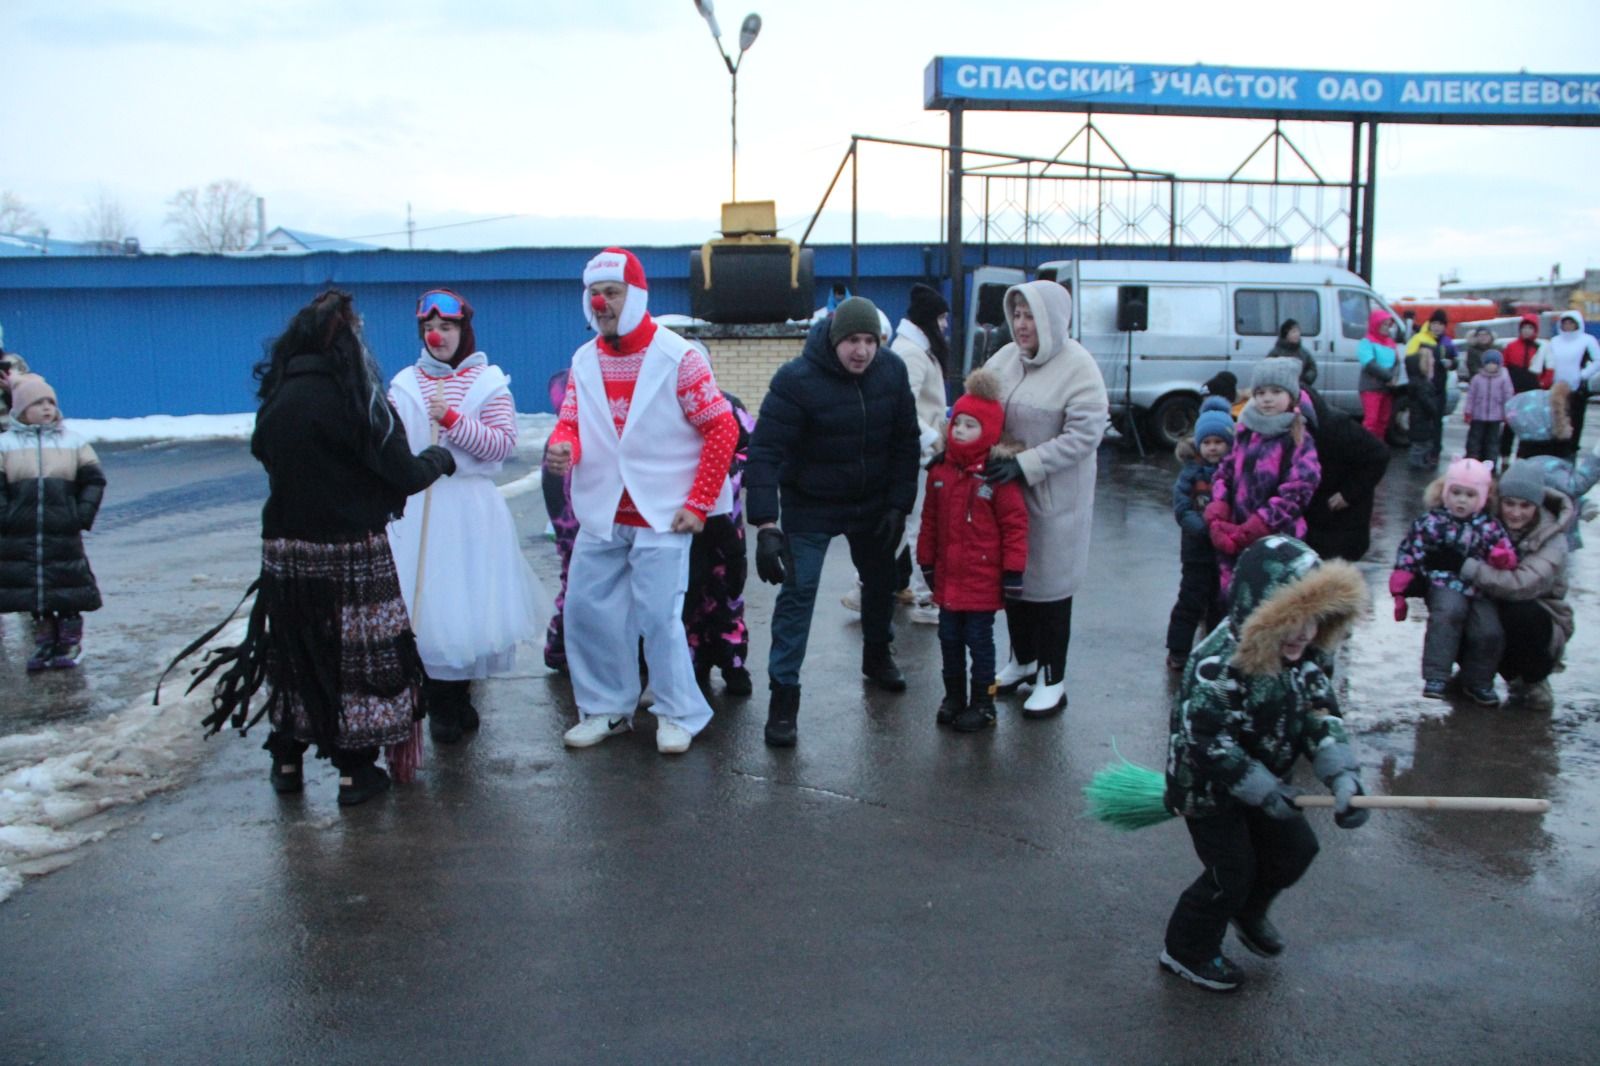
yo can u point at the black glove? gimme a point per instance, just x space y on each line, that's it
773 561
1000 471
1279 803
1346 786
927 575
441 457
1446 557
891 527
1011 585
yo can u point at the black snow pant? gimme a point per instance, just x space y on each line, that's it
1528 628
1199 595
1040 633
1249 858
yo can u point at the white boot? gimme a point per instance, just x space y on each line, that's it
1046 700
1014 674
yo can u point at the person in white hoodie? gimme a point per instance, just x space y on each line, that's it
920 343
1573 356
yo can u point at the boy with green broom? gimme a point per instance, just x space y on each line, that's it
1255 694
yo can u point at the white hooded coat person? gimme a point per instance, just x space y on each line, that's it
1573 356
478 598
1055 402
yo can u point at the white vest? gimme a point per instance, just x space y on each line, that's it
655 457
413 411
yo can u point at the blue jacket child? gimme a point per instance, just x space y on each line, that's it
1199 590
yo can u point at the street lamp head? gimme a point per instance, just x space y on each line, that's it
708 12
749 31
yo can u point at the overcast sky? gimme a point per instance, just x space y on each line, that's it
602 122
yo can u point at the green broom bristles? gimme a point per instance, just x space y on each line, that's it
1128 796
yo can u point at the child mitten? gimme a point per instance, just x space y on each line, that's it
927 575
1254 528
1224 535
1401 609
1011 585
1218 511
1503 557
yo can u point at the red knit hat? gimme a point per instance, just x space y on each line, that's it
981 401
618 264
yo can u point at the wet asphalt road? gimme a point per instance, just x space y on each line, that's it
887 892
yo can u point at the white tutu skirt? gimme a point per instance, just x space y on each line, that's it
479 597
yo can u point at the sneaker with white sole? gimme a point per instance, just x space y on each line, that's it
1013 675
594 729
1045 700
852 599
1218 975
925 613
672 738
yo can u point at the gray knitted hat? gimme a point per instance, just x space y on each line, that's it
1280 371
855 315
1523 480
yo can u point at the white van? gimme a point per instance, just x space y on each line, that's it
1203 318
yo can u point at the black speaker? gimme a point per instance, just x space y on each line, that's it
1133 308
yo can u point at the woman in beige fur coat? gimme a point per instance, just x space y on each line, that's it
1055 402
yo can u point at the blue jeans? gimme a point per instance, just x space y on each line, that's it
963 631
791 616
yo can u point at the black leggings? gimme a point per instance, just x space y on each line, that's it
1528 628
1040 632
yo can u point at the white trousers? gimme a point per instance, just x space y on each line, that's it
619 590
919 584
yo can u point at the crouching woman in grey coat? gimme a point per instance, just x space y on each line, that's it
1055 404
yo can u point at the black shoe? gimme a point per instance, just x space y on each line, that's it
736 681
979 712
955 698
443 710
466 714
702 678
1258 934
1218 975
360 783
288 771
782 712
878 666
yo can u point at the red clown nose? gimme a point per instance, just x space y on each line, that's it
434 338
597 302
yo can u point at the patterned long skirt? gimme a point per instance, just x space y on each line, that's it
330 640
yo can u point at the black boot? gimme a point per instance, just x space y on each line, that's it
782 711
359 776
1258 934
702 677
955 698
878 666
979 713
736 681
466 713
439 701
288 772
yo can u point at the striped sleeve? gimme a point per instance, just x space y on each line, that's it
709 412
492 435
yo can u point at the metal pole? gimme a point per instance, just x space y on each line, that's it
1369 197
956 372
734 155
1355 197
855 248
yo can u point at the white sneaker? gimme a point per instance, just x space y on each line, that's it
671 738
1045 700
852 599
1013 674
594 729
926 613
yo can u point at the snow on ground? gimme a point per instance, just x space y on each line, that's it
532 429
61 789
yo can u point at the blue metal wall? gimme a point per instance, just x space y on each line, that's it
121 337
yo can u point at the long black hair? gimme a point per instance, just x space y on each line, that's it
329 326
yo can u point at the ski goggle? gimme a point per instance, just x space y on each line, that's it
444 304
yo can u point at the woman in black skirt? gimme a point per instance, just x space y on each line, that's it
329 637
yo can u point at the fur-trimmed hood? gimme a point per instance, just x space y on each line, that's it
1278 584
1006 449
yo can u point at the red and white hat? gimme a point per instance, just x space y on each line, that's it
618 264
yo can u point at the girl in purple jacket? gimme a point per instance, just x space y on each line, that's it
1267 481
1486 407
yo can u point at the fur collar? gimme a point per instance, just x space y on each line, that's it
1333 593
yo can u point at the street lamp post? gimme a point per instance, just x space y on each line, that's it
748 32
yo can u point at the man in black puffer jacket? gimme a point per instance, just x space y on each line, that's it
837 442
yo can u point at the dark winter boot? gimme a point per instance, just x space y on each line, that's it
466 713
955 698
69 643
782 712
979 713
702 677
1258 934
287 776
736 681
359 776
439 702
878 666
44 643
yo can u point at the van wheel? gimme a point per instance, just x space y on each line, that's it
1172 419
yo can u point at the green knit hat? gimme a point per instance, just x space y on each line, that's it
855 315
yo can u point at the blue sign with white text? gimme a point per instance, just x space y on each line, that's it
1256 92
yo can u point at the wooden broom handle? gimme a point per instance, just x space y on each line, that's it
422 540
1435 803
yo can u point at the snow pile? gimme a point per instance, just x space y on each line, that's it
61 789
532 429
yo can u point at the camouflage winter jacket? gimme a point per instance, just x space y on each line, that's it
1242 712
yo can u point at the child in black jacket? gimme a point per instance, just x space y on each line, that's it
1199 590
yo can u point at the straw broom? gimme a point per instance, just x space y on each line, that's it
1129 796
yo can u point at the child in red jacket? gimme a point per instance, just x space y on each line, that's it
973 548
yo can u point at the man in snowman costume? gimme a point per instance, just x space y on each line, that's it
648 437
